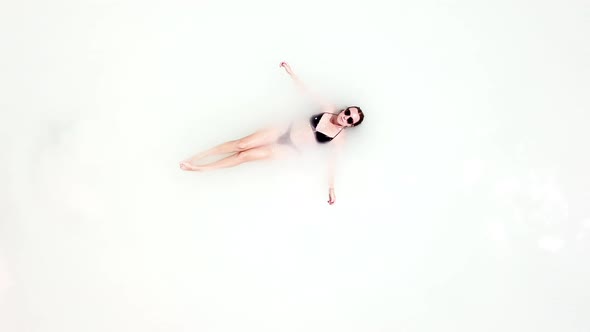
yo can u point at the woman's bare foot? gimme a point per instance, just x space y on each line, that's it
188 166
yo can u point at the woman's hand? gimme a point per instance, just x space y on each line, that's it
331 197
287 68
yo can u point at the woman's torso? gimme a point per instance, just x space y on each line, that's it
316 129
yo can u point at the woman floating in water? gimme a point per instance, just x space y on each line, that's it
277 141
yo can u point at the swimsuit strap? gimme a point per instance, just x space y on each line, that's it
341 129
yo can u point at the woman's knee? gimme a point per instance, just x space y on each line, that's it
255 154
244 144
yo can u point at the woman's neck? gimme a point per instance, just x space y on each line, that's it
333 120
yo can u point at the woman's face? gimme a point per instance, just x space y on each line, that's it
348 117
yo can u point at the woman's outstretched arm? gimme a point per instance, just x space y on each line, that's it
331 173
304 88
334 154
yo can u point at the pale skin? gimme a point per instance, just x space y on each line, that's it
262 144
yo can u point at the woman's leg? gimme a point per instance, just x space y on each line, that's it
259 138
259 153
227 147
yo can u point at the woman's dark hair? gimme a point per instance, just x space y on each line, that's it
361 115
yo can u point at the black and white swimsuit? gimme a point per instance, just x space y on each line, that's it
319 136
